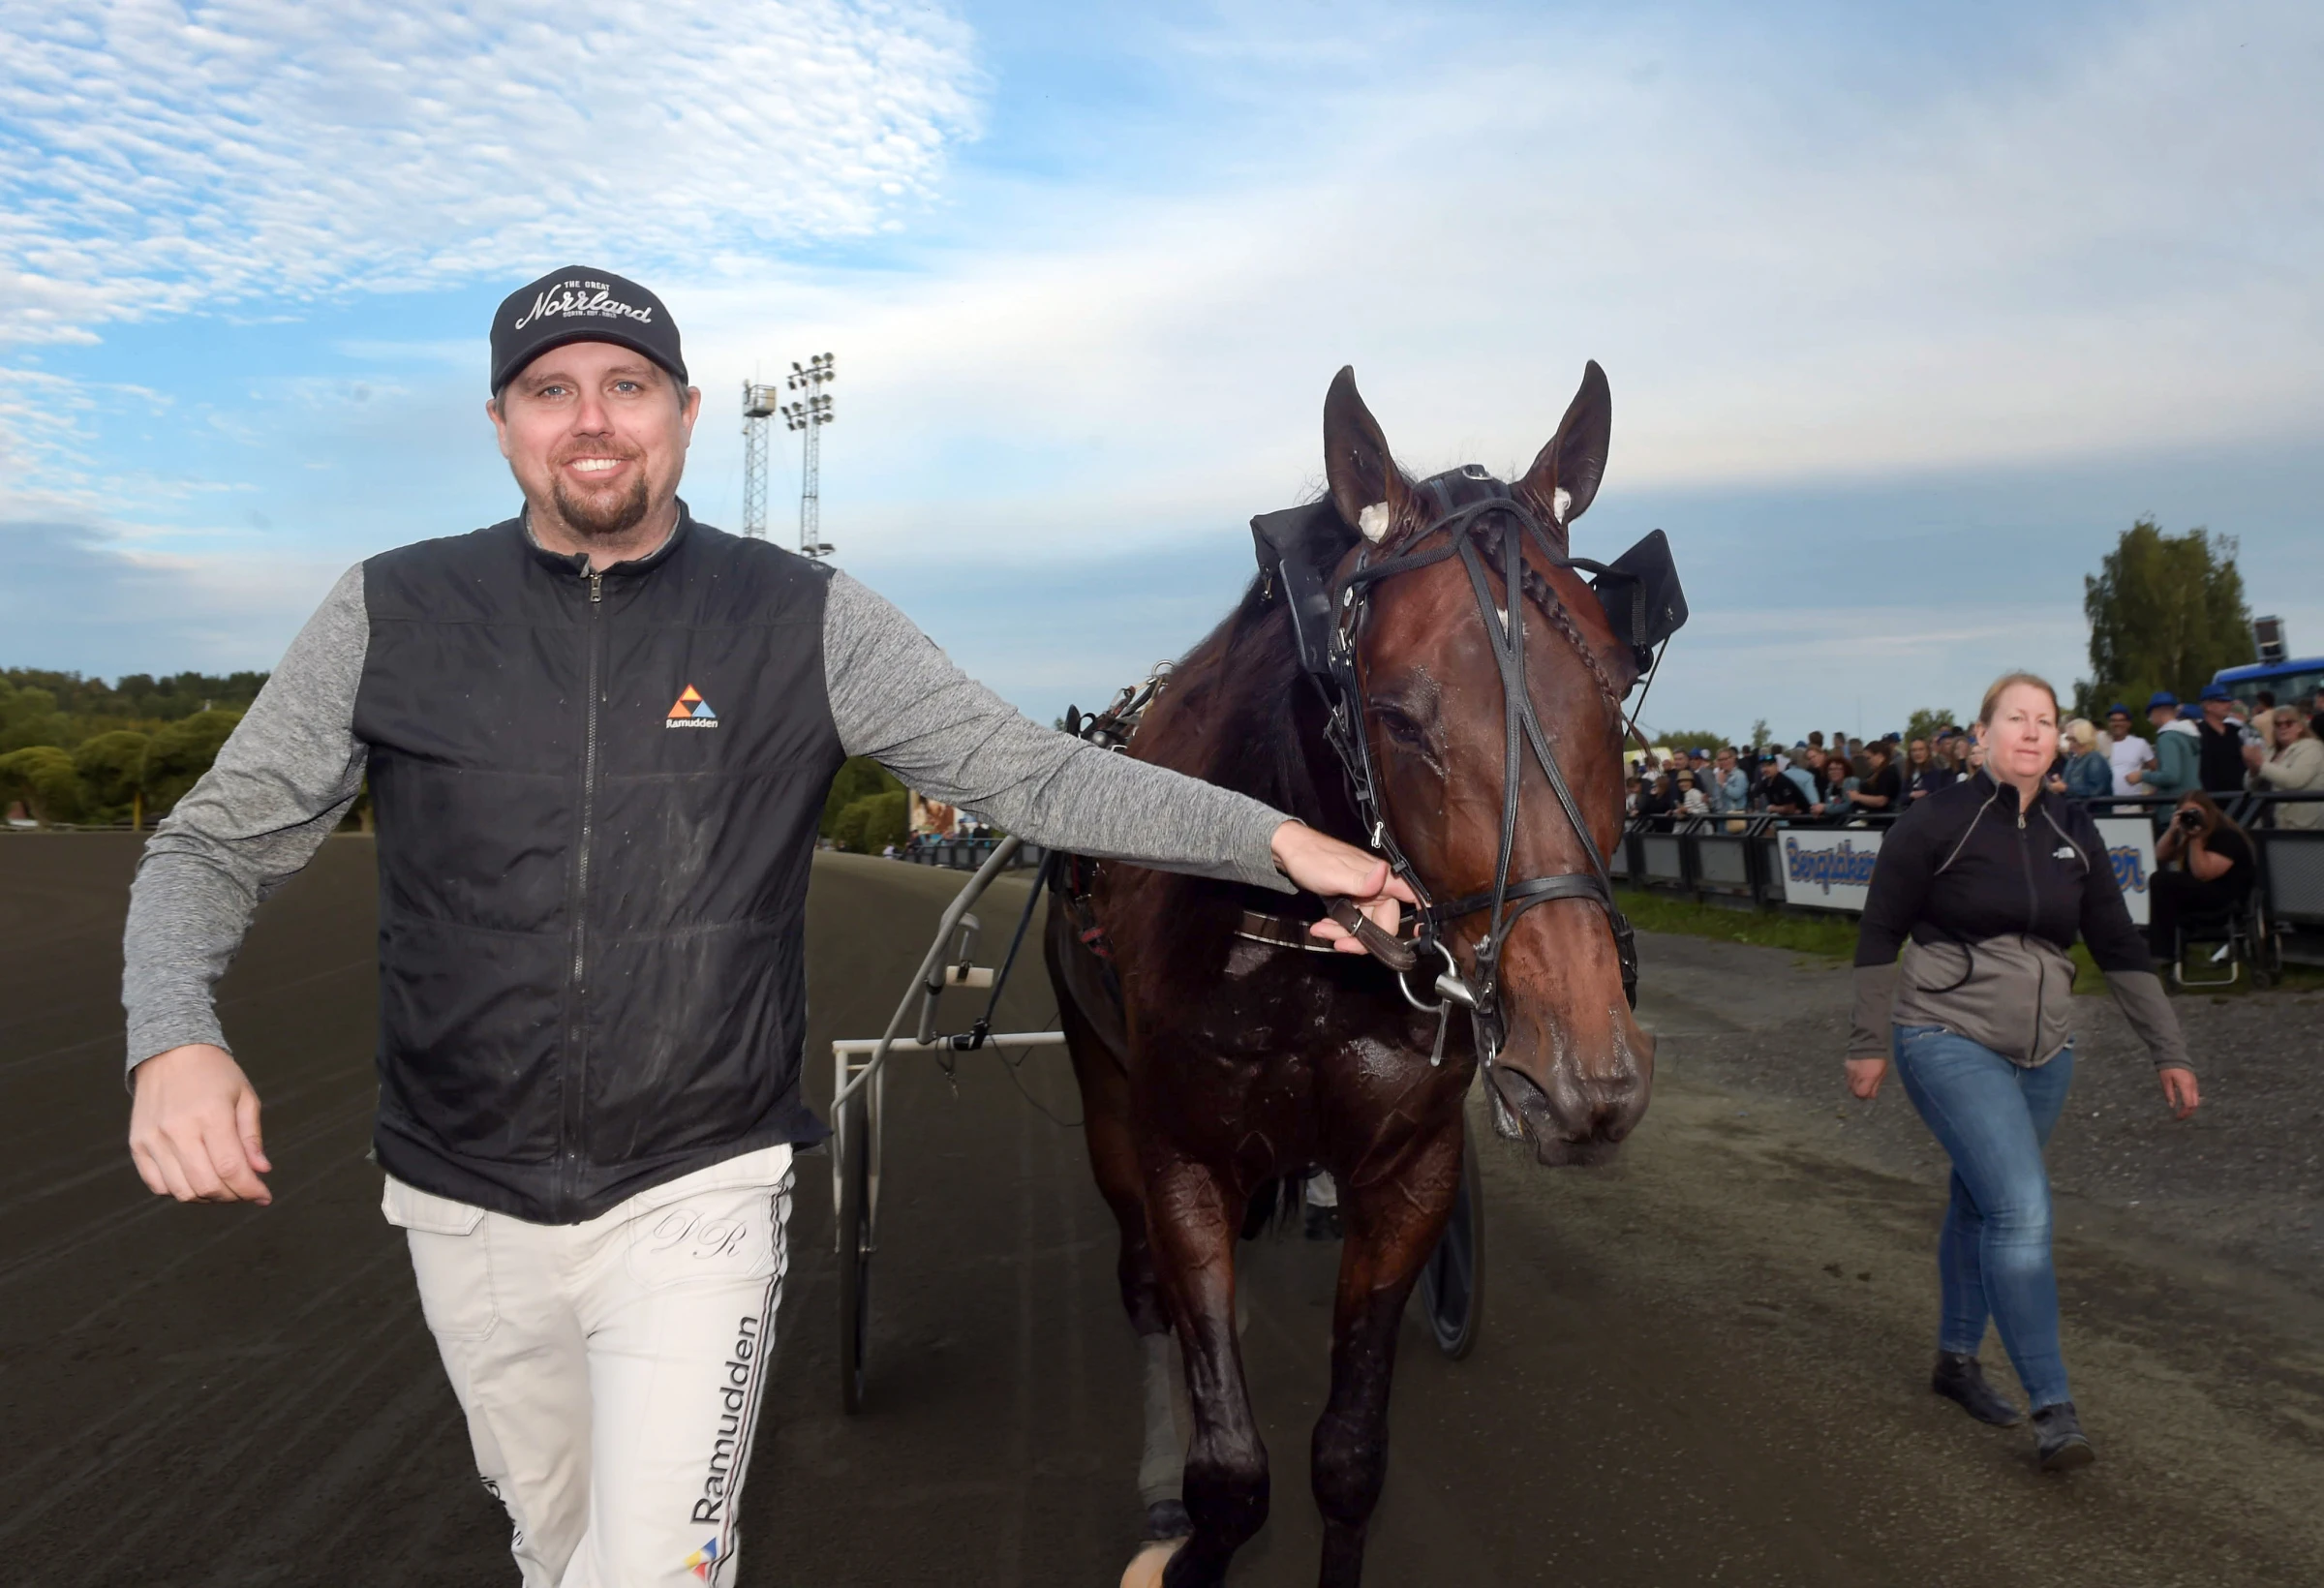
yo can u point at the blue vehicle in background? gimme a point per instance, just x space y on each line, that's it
2293 683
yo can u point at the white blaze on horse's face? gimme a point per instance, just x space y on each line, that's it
1559 500
1373 522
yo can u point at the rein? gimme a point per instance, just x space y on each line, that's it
1345 730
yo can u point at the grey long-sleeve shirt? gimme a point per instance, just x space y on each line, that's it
294 766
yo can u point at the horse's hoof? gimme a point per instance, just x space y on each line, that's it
1145 1568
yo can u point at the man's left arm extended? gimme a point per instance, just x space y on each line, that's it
899 699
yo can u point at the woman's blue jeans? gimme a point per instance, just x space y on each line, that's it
1994 1118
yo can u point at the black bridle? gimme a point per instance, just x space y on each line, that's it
1346 730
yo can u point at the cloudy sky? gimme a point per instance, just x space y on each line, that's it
1907 311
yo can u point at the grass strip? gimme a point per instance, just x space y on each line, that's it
1833 936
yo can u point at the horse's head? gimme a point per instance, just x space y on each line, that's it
1575 1069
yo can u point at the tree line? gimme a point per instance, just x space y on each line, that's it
76 750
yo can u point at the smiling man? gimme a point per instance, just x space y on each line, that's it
591 950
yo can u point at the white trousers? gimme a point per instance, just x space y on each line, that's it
611 1372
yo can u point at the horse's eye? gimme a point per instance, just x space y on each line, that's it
1399 724
1409 741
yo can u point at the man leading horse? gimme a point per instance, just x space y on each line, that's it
598 737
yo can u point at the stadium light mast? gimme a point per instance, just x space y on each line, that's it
760 405
809 412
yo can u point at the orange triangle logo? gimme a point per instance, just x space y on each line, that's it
686 703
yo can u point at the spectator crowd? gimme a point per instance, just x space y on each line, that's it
2216 747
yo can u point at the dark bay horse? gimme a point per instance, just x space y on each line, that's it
1212 1063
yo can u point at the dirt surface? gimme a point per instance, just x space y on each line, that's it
2245 1175
1704 1365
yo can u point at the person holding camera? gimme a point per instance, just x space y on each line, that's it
1984 886
2204 865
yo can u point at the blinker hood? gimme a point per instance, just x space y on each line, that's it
1642 597
1300 546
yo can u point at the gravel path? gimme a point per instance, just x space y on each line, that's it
2244 1175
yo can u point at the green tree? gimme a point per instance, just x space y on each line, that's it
111 766
180 754
1760 738
2166 611
1924 722
42 776
858 776
1693 739
29 717
871 822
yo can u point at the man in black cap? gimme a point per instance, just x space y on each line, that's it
2220 742
597 738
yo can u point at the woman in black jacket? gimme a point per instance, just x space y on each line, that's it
1985 885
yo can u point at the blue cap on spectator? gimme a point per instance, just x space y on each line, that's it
2191 712
2161 697
2216 692
2118 709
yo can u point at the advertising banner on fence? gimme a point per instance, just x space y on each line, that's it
2131 845
1830 870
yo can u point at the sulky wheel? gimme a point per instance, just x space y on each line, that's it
853 1143
1452 1284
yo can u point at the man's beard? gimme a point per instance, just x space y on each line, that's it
598 516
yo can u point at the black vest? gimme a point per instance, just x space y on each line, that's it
2221 764
597 800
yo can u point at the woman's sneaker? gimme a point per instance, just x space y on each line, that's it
2059 1444
1959 1379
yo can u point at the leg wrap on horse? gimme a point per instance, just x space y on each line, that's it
1164 1459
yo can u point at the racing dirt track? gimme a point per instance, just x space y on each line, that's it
1702 1365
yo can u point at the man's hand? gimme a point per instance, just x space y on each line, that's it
194 1128
2178 1089
1864 1076
1325 866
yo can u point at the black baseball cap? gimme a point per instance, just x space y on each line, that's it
578 304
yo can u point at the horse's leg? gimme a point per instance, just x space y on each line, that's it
1195 1217
1114 1163
1393 1225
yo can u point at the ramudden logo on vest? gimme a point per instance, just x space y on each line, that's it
692 712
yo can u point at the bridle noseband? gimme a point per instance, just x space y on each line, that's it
1345 729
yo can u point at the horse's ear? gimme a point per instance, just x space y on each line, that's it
1565 476
1367 486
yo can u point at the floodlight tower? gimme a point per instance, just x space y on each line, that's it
760 405
809 411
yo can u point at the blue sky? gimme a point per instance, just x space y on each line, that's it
1907 311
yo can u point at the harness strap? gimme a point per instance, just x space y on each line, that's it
1524 896
1386 947
1281 931
1523 731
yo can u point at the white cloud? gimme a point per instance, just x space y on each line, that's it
161 158
2106 247
1802 251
